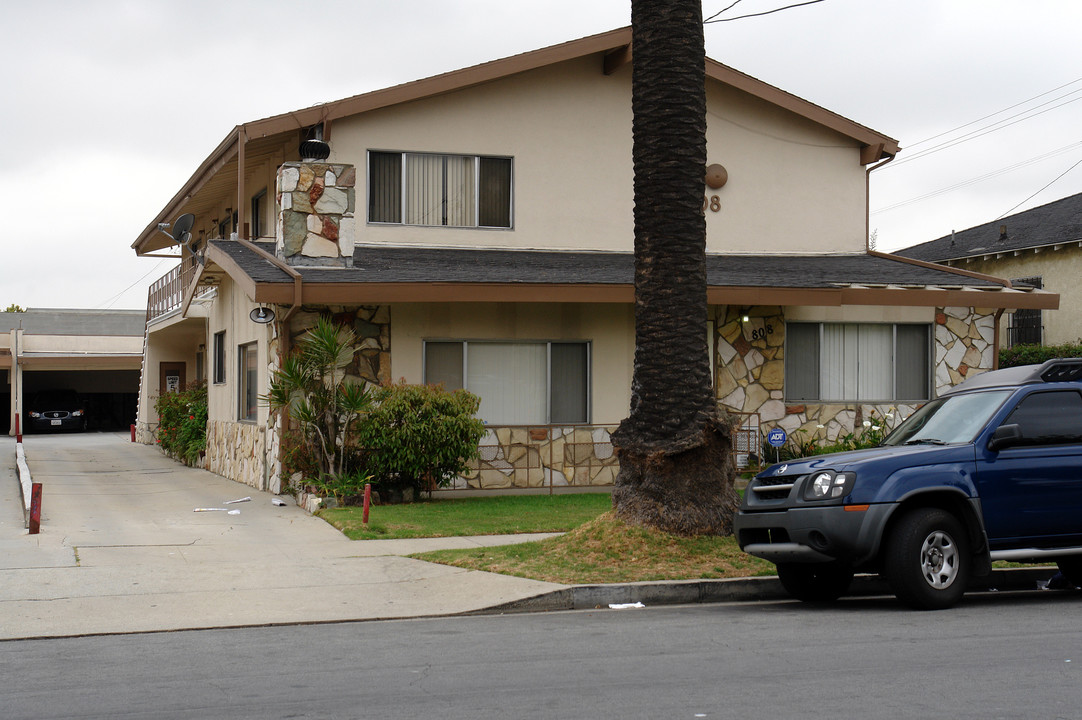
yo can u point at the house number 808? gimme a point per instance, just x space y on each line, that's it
712 203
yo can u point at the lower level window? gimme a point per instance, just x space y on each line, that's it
844 362
247 397
519 383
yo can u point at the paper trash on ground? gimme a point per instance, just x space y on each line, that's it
625 606
278 501
233 502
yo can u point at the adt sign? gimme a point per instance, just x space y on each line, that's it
776 437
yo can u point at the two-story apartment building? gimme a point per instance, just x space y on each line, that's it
475 229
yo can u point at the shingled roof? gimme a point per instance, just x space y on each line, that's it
1056 223
405 274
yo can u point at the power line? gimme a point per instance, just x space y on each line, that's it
104 305
719 12
715 19
980 178
988 129
1040 191
991 115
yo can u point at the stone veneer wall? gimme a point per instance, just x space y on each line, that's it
750 375
235 450
316 224
543 456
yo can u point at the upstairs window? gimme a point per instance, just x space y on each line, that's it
439 190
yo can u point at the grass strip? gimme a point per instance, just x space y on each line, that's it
503 515
608 550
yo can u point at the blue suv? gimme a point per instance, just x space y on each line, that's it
990 470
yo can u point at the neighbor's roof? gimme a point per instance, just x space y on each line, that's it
1055 224
384 274
45 321
261 138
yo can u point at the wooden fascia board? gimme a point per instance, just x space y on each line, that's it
81 362
383 293
230 267
809 110
208 169
942 268
441 84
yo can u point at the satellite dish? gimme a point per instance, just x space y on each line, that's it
182 228
261 315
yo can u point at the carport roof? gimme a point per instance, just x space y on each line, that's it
384 274
47 321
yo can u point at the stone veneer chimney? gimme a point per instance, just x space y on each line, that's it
316 226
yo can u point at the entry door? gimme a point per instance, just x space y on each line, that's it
171 378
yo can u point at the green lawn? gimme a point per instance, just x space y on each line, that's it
597 548
503 515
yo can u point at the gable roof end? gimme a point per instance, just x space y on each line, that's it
614 47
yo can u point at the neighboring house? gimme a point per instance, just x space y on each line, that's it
475 229
1041 248
97 353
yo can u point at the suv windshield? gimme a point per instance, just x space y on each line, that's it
953 419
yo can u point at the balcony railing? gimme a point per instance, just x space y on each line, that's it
166 294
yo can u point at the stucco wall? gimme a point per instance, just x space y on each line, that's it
568 128
1060 271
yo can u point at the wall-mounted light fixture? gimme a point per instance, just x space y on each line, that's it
716 176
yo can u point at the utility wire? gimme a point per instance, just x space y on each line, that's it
1039 191
719 12
715 19
974 180
997 112
104 305
988 129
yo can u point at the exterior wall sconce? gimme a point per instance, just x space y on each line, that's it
716 176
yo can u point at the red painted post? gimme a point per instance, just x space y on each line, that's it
18 429
367 503
35 508
133 433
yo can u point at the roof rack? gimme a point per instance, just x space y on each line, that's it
1061 370
1055 370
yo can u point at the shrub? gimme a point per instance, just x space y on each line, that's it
182 422
419 436
1037 354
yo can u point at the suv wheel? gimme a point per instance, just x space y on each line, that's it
815 582
1071 567
926 559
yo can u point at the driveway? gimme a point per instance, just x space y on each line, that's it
122 550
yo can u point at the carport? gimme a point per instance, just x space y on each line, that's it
96 353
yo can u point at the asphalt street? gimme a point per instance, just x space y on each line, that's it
1007 656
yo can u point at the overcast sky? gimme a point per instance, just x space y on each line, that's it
110 105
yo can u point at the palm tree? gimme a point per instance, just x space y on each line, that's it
675 472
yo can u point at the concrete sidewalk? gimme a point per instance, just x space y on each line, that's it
121 550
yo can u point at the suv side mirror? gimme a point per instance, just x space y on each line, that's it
1005 436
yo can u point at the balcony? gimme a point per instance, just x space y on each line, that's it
166 294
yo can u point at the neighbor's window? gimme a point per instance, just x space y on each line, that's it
247 389
219 357
259 206
439 190
843 362
519 383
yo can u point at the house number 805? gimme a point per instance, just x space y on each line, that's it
712 203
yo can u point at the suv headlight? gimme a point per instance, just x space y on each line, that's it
827 484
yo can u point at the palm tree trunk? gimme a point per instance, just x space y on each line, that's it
675 472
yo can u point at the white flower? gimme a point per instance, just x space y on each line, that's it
890 416
875 427
867 423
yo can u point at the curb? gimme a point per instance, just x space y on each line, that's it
755 589
25 480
